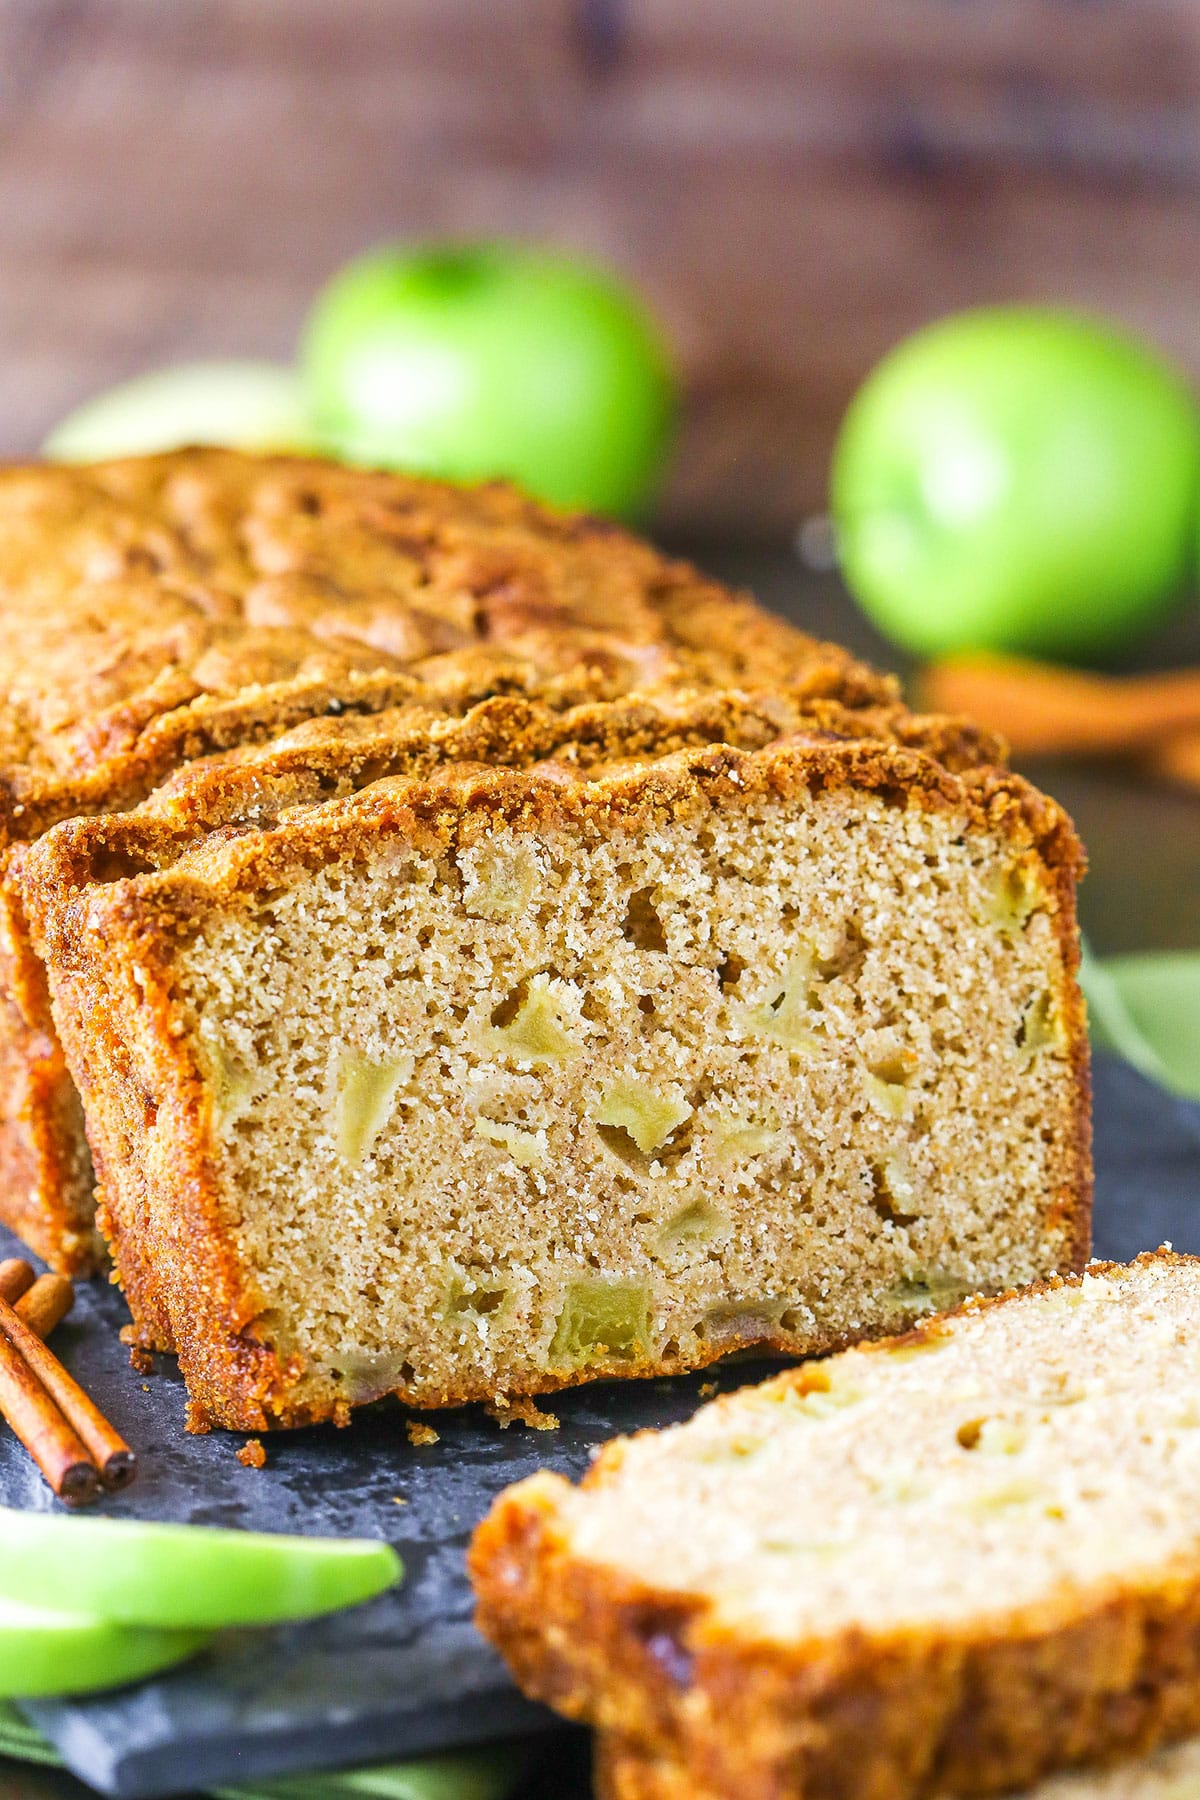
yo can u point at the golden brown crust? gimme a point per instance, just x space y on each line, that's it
336 758
691 1705
116 1007
194 606
163 607
625 1771
45 1170
230 858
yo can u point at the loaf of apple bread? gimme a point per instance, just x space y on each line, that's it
162 608
473 1055
948 1563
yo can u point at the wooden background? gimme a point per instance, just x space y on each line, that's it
794 183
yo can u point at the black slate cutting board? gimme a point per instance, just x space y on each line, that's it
407 1673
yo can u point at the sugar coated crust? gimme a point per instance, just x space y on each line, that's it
689 1703
163 609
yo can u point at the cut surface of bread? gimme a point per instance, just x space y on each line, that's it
946 1563
1172 1772
487 1079
163 608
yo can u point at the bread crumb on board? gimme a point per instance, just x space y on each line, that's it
196 1421
421 1435
507 1408
252 1455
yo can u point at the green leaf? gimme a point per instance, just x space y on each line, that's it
1146 1008
476 1775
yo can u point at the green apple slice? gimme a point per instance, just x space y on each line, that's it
184 1576
241 405
45 1652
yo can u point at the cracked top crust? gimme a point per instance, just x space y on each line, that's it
160 608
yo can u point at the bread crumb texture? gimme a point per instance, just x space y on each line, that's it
944 1563
946 1480
771 1080
527 1412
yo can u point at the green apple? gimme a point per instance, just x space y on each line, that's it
241 405
184 1575
1018 479
492 359
48 1652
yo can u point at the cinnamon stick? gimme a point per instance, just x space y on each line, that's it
46 1304
1176 758
16 1278
42 1301
49 1438
87 1424
1044 710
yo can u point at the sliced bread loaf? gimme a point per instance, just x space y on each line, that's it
947 1563
567 1046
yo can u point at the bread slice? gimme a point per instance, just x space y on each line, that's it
946 1563
568 1045
1172 1772
163 608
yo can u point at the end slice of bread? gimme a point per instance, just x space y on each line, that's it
947 1563
625 1771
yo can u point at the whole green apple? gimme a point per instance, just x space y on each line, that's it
493 359
239 404
1018 479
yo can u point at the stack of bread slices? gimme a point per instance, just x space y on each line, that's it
450 950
